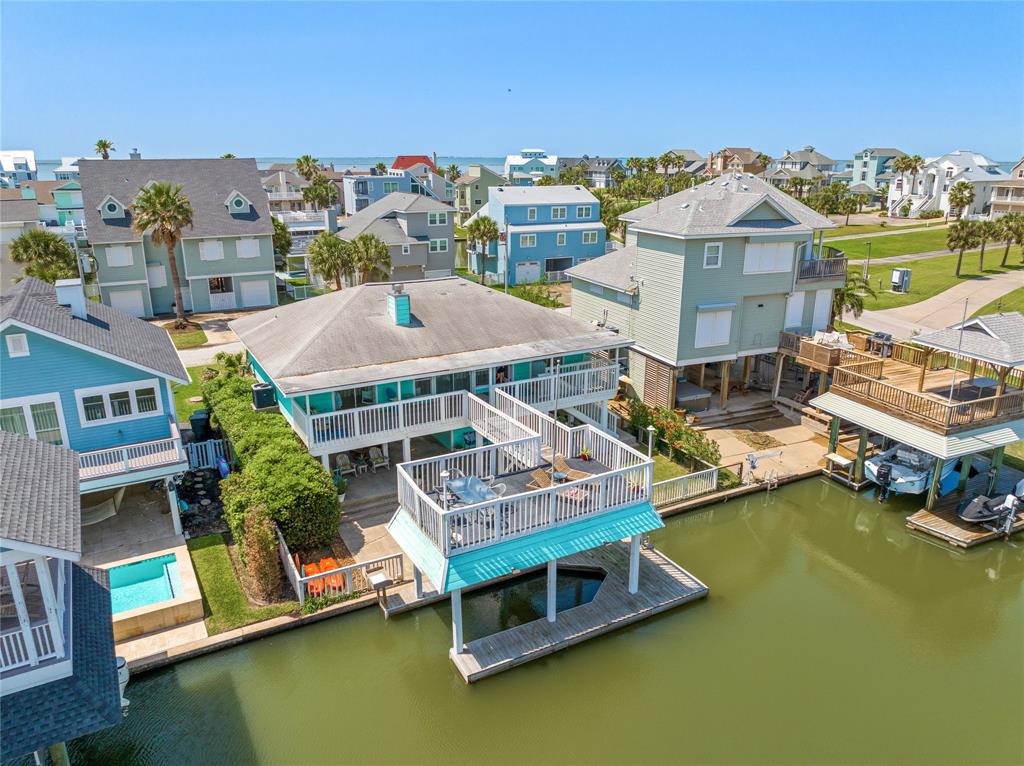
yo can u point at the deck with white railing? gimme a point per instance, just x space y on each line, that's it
132 458
572 385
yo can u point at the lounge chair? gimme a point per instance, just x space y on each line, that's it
562 467
498 489
377 459
344 463
541 479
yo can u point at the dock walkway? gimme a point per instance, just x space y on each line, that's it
663 585
942 521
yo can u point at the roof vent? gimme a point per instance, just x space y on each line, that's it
746 188
577 188
684 205
70 294
399 308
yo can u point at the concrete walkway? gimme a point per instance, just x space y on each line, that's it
895 230
192 357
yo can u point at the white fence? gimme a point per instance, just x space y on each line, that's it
682 488
15 651
208 453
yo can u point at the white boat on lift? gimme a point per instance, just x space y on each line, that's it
911 469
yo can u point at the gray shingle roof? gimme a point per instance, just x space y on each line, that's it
542 195
19 210
39 494
33 303
690 155
886 151
596 164
996 338
206 183
809 154
345 338
405 202
612 270
713 207
84 702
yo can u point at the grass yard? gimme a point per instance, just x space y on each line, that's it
224 603
872 228
190 337
1012 301
182 393
892 244
665 468
1015 456
932 276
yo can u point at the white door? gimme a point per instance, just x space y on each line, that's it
527 271
129 301
255 293
795 310
822 309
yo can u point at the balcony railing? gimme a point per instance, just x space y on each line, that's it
285 195
574 384
302 216
831 267
98 464
15 651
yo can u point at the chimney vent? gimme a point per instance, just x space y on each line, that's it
399 308
134 154
70 294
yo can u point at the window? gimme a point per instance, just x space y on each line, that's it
390 187
405 249
211 250
945 187
590 238
248 248
527 240
625 298
713 255
345 400
531 214
423 386
439 245
119 255
558 214
863 175
123 401
220 285
156 275
713 328
483 378
17 345
583 211
560 238
949 172
38 417
437 219
768 257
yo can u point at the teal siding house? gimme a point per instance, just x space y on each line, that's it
90 378
225 261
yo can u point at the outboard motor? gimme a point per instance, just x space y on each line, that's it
122 682
883 476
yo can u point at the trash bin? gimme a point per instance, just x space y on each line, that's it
200 422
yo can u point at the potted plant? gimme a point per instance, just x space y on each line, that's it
585 453
341 484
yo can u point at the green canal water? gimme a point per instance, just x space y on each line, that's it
831 635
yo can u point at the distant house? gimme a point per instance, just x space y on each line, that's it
544 231
17 166
599 171
60 202
284 191
732 159
808 164
418 230
472 190
872 171
225 260
424 169
67 170
929 190
58 672
361 191
1008 195
694 162
529 166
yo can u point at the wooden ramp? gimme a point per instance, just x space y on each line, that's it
663 585
942 521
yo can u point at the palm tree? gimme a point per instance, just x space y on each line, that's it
483 230
162 210
371 257
228 156
846 206
635 164
961 236
452 171
764 159
331 257
45 255
797 185
914 166
618 176
665 161
901 165
985 230
850 297
322 193
546 181
862 200
1011 228
610 211
651 164
307 166
961 196
381 167
104 148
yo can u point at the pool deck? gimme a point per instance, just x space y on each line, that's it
663 585
943 523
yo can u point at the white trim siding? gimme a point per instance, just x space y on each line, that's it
26 402
104 394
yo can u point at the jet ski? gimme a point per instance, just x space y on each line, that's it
998 514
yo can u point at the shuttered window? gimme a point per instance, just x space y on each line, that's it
713 328
768 257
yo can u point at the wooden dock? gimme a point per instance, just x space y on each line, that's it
943 523
663 585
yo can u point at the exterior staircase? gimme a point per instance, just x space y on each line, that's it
738 418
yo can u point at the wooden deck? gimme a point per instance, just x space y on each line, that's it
663 585
943 523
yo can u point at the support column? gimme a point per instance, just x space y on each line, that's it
965 471
417 578
746 369
822 381
700 374
326 460
14 582
1001 386
406 449
457 621
634 563
780 363
833 434
604 415
172 500
993 472
924 368
387 452
724 393
49 601
552 589
933 488
862 447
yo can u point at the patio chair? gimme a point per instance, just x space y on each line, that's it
315 587
344 463
334 581
541 479
563 467
498 489
377 459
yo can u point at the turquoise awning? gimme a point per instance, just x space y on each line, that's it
479 566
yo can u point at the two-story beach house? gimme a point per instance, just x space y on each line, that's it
472 191
808 164
688 160
88 377
361 191
529 166
58 675
17 165
284 191
225 260
709 277
544 231
872 171
424 169
929 190
732 159
599 171
1008 194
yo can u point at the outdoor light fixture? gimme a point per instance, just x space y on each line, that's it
650 440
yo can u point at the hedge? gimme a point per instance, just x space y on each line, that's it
276 470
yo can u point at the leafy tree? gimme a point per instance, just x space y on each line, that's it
321 193
618 176
452 171
961 236
282 238
985 230
228 156
162 210
850 297
680 181
610 212
632 188
573 176
1011 228
546 181
961 197
307 166
371 257
537 292
104 148
331 257
483 231
45 255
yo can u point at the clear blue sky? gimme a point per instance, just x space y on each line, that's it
269 79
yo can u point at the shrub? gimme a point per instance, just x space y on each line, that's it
316 603
673 430
931 214
639 415
905 209
259 552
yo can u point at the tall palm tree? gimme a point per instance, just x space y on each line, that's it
483 230
666 161
635 164
764 160
1011 228
228 156
680 162
961 236
380 167
850 297
618 176
846 206
104 148
985 230
322 193
45 255
901 165
914 166
798 184
961 196
452 171
331 257
307 166
651 164
162 210
371 257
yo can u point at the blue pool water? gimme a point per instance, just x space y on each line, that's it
143 583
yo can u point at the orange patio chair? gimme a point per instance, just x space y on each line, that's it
316 587
334 581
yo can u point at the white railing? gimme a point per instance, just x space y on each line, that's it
567 386
555 276
681 488
132 457
14 648
284 195
494 425
411 417
302 216
207 454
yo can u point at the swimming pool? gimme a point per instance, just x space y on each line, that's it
145 582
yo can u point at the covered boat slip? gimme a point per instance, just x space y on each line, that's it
942 520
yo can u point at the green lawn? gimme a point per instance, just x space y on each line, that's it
224 603
1015 456
892 244
666 469
931 276
871 228
1012 301
182 393
190 338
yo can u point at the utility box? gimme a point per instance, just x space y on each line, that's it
901 280
263 396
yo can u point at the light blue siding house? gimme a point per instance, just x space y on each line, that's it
529 166
88 377
545 230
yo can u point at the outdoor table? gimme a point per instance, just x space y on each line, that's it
470 490
559 476
981 384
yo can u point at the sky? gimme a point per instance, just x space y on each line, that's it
486 79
